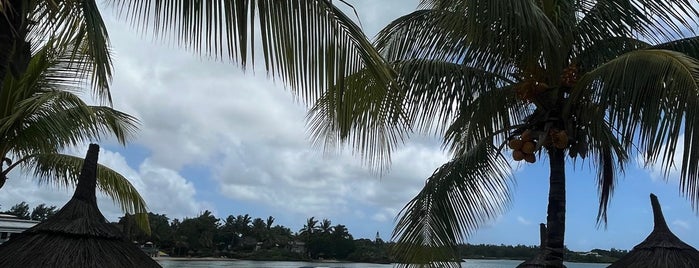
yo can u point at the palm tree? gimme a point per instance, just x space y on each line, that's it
309 228
341 231
242 224
258 229
269 222
325 226
563 80
41 116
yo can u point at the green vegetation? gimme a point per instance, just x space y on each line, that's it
601 80
39 213
522 252
243 237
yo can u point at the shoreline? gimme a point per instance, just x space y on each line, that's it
193 259
162 258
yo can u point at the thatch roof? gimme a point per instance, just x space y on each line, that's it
77 236
661 248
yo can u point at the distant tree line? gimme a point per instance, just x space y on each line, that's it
39 213
245 237
523 252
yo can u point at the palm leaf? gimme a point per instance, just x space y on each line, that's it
78 28
459 197
436 90
371 120
71 126
43 101
516 32
602 51
650 20
651 96
309 44
688 46
490 115
595 136
339 115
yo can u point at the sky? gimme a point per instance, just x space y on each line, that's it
214 137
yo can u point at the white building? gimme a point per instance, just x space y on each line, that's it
10 224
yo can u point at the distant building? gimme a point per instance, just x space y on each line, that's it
297 247
595 254
378 239
10 224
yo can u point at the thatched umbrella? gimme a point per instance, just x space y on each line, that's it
77 236
661 248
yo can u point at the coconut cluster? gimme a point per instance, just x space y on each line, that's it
530 88
525 146
569 76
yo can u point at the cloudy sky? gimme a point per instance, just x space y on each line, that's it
216 138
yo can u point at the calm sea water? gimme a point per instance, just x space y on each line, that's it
283 264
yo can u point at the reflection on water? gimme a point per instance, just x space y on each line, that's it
285 264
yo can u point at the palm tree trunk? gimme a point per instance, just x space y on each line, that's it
556 219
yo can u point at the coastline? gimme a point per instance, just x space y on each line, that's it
232 259
193 259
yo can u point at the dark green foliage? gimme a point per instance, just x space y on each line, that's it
20 210
244 237
42 212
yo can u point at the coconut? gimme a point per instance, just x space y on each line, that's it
530 158
515 144
528 147
517 155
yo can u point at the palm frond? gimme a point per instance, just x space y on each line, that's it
493 114
656 21
372 121
688 46
651 96
518 33
70 126
44 114
436 90
602 51
78 28
596 138
63 171
310 44
459 197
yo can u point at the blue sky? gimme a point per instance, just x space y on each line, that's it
214 137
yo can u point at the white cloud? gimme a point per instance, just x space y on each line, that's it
251 134
157 185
